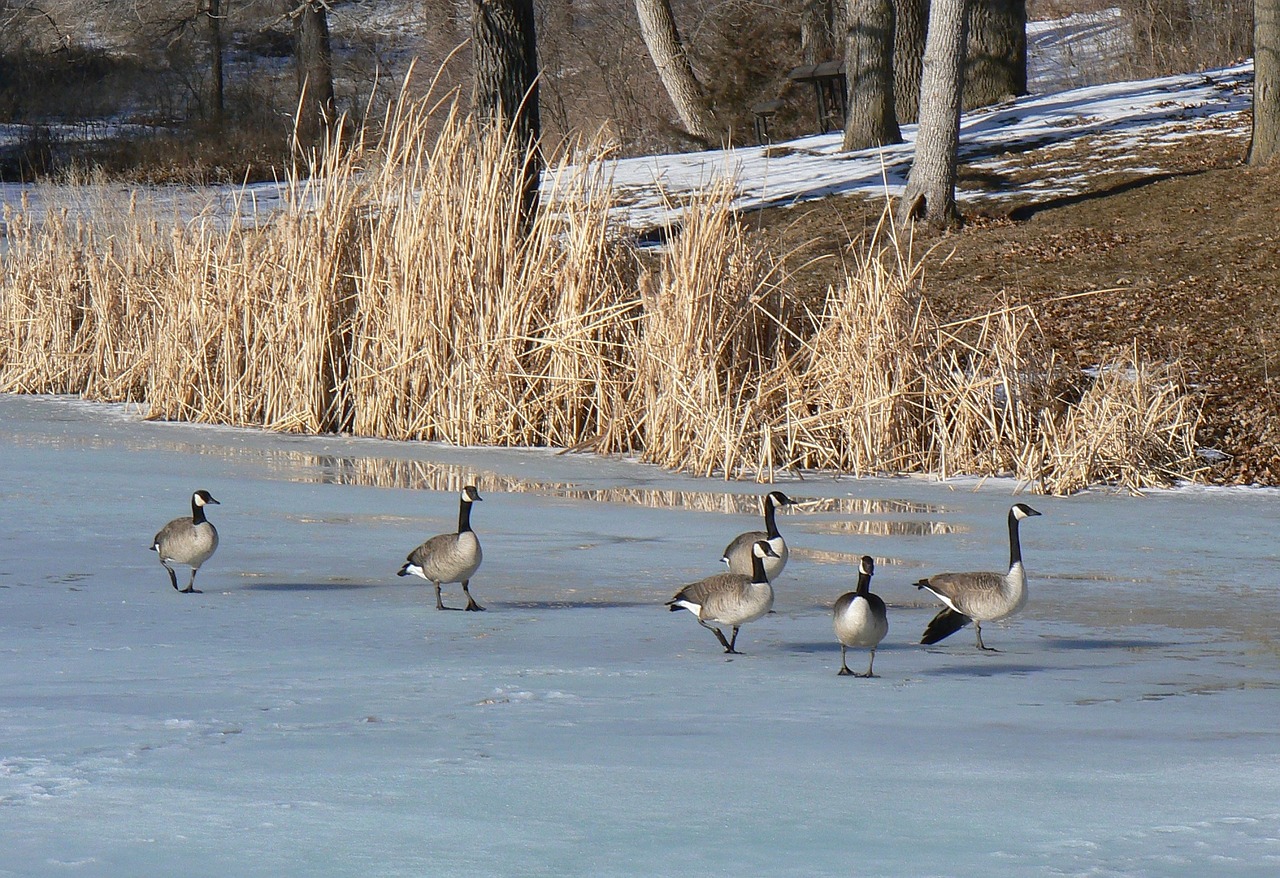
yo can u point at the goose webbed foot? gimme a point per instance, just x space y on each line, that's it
190 589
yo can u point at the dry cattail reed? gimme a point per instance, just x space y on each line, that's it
1134 428
985 381
708 340
854 404
400 293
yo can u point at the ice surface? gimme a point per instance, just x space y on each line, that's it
312 714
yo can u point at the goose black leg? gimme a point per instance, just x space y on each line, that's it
844 666
719 635
472 606
439 603
173 577
981 645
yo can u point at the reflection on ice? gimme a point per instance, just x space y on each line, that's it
876 527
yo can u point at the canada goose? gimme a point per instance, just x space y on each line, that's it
451 557
732 599
188 541
738 553
980 597
859 618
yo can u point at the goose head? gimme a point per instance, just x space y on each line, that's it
470 494
763 550
1021 511
203 498
777 498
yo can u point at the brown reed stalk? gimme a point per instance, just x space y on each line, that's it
399 293
853 404
42 306
709 339
472 328
985 381
1133 428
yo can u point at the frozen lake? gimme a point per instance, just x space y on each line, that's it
312 714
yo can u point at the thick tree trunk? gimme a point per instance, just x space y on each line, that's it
996 66
931 186
1265 144
313 65
505 89
658 27
871 119
817 31
217 97
911 21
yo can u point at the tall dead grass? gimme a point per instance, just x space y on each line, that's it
709 343
398 294
1134 427
469 330
854 398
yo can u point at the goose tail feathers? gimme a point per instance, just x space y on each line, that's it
943 625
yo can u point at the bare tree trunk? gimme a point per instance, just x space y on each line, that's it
658 27
871 119
1265 144
504 91
996 67
817 33
931 186
217 98
314 67
911 21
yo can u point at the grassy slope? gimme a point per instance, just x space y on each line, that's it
1188 260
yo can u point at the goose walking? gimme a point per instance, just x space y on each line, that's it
452 557
979 597
732 599
738 554
859 618
188 541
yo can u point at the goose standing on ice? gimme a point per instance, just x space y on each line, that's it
979 597
188 541
738 554
859 618
732 599
452 557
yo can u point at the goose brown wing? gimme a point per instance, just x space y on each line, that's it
714 590
167 533
738 552
965 593
432 548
